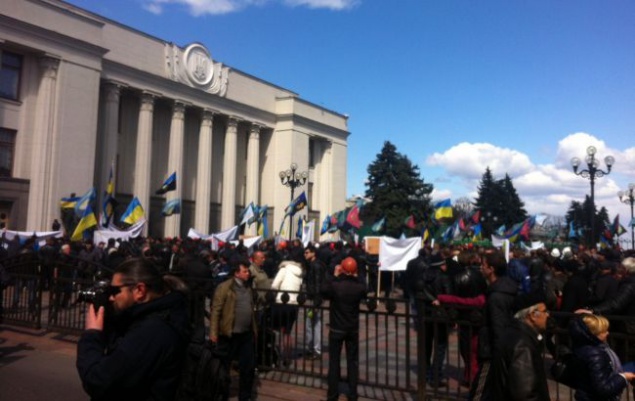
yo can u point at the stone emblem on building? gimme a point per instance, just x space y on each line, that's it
194 66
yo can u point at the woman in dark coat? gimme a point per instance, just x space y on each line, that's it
600 376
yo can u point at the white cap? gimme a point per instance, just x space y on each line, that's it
555 252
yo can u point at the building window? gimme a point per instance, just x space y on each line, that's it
7 149
311 153
10 71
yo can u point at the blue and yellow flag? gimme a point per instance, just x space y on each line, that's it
297 204
168 185
443 209
69 202
109 204
85 201
171 207
88 220
133 213
263 226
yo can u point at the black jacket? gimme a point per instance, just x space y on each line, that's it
413 276
498 315
517 372
314 278
143 358
597 378
344 293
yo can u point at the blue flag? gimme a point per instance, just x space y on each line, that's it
297 204
168 185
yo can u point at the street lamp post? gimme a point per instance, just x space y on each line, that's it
592 172
293 179
628 197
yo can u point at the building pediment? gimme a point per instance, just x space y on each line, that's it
194 67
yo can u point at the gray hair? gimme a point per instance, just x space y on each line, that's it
523 313
629 264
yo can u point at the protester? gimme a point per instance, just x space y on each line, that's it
233 325
345 292
138 355
288 282
600 376
518 370
500 296
315 275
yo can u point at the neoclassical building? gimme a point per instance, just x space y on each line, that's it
80 92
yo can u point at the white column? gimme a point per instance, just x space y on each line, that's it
204 174
252 191
111 131
228 208
175 163
143 157
41 202
326 180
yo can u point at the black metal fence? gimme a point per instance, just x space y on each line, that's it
394 345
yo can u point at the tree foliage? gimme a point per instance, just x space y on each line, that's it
586 219
397 191
499 203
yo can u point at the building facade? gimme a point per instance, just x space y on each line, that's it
80 93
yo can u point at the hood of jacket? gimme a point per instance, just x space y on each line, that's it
292 267
580 334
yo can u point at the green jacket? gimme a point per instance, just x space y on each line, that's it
223 310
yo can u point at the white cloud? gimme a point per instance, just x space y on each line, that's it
545 188
469 160
217 7
328 4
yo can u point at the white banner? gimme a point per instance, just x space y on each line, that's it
40 236
394 254
111 231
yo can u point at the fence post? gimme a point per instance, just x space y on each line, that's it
421 343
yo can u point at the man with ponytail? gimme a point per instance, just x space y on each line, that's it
133 349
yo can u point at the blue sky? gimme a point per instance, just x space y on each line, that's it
456 85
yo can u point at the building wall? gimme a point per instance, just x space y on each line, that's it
101 63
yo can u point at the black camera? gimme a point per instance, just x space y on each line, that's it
97 295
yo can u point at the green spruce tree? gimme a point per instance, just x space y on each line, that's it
397 191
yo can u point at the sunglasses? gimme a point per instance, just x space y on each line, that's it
113 290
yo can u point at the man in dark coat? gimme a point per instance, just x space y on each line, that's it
500 296
139 354
345 292
518 369
314 279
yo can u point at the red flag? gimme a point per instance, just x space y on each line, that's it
476 217
524 231
353 217
410 222
461 224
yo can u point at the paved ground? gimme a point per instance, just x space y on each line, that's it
36 365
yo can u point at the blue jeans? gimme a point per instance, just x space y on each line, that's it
313 331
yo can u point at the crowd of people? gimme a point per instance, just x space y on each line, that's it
503 357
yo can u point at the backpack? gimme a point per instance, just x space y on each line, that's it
204 376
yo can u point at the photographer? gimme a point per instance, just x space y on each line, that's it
138 354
